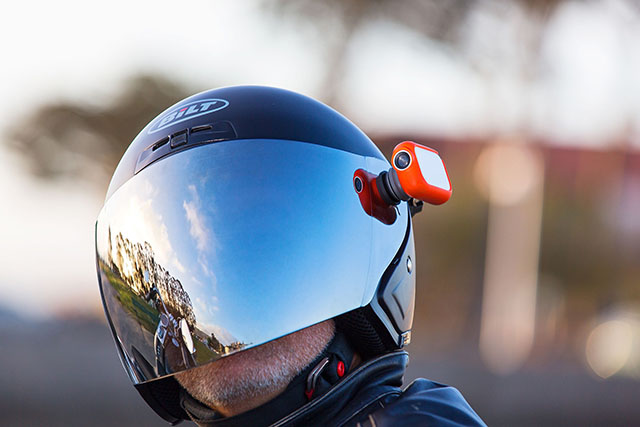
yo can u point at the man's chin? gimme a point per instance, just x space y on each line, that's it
250 378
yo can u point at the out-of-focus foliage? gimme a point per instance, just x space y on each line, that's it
435 19
338 21
77 140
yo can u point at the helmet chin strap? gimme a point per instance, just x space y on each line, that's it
315 380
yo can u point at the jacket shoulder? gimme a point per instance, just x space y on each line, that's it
424 402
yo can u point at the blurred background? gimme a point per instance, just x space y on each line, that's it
528 293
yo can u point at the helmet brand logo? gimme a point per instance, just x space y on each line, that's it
188 111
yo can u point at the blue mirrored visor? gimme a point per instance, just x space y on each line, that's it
229 245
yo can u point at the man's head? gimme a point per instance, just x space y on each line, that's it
241 207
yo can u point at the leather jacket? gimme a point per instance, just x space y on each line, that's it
370 395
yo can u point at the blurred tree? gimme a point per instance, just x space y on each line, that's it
340 20
78 140
71 139
447 22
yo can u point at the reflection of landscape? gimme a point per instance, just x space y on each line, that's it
135 264
142 291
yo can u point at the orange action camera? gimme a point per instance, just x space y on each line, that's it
421 173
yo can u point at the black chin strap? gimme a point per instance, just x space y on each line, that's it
323 373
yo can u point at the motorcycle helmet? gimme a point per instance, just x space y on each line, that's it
243 214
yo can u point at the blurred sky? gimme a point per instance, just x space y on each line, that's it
582 89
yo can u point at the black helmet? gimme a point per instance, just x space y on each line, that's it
238 216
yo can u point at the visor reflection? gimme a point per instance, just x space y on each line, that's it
230 245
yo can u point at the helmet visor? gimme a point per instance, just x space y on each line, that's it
229 245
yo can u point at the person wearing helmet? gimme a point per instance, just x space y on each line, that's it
256 264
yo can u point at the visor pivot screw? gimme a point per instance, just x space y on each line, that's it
409 265
340 369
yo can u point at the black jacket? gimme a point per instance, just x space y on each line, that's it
371 395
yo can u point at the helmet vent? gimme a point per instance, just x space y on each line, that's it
184 139
159 143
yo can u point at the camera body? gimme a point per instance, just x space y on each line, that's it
421 173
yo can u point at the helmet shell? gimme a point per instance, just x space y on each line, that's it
232 220
244 112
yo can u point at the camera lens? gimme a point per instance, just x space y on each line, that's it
357 182
402 160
